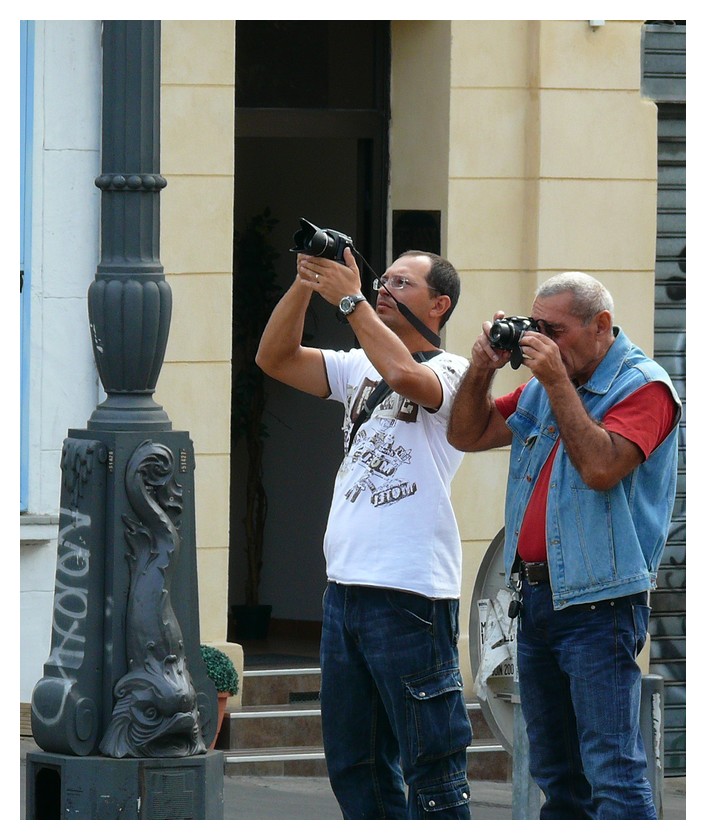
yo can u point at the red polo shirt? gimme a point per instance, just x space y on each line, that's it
645 417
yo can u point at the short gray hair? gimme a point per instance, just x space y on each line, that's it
589 296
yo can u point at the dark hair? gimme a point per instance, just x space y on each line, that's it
442 279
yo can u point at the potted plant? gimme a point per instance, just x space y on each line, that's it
255 294
223 674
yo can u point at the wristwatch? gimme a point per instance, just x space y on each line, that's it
349 303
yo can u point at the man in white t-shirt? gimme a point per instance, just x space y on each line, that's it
392 705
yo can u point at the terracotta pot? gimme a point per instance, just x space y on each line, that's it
222 701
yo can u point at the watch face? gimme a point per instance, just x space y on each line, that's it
349 303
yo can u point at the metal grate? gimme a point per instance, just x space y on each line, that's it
304 697
668 623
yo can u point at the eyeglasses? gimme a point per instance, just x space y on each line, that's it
396 283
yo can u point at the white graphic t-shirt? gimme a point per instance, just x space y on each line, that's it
391 523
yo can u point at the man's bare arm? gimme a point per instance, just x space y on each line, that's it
475 423
602 458
281 354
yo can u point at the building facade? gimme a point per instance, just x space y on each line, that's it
517 148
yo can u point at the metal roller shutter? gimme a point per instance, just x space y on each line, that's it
664 75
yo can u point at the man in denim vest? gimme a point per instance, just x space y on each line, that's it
591 485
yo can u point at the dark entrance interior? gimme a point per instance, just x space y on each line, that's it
311 141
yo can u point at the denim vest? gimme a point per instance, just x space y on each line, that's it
600 544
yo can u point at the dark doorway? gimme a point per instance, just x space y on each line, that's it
312 111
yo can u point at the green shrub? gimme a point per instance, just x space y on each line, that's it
220 669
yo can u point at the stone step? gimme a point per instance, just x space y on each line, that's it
279 686
275 761
487 761
277 730
293 724
256 727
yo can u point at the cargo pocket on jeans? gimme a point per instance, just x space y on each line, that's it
444 795
437 721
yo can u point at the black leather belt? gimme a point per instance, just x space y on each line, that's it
534 573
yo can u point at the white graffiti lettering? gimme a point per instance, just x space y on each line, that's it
70 598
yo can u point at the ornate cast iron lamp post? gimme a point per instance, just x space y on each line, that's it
125 708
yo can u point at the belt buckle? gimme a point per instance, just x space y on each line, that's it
527 576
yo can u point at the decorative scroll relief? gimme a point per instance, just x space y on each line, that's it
156 710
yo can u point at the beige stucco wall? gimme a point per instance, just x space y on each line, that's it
532 139
197 158
419 127
550 164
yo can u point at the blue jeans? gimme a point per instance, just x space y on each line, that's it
393 713
580 688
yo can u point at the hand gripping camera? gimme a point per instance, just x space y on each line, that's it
316 242
331 244
505 334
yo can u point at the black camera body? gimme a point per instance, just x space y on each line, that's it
318 242
505 334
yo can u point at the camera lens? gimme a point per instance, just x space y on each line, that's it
320 243
502 334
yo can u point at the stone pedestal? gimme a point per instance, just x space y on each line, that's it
126 613
64 787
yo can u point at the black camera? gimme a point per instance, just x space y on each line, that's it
318 242
505 334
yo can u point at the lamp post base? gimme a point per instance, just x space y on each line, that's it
64 787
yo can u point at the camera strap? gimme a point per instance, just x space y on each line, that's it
418 325
378 394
